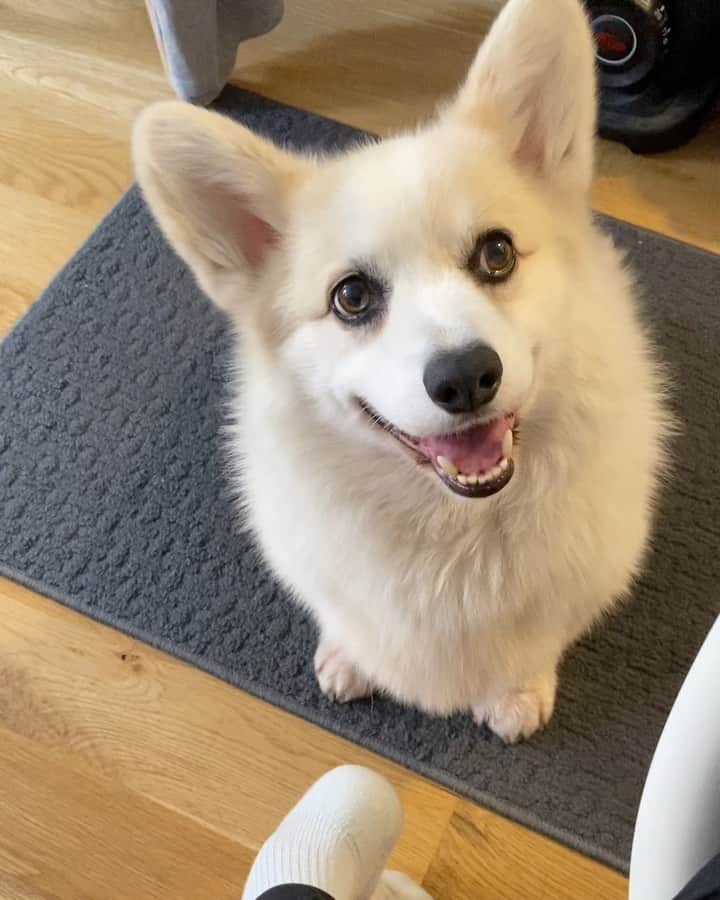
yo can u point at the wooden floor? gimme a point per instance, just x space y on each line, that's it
123 772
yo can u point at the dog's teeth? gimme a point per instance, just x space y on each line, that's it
447 467
507 444
472 479
462 479
496 472
503 464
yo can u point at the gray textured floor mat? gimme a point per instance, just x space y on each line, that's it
113 501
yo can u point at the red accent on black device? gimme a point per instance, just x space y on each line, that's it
659 68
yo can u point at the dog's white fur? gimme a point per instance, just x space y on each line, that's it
444 602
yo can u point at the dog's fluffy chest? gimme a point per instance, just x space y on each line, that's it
434 605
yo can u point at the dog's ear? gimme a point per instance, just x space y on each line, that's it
219 192
533 83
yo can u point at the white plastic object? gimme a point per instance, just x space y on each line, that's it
678 824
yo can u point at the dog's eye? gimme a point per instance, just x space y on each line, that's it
494 257
352 298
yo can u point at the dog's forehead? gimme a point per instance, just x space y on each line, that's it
421 193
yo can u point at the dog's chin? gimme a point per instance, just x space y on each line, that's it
476 461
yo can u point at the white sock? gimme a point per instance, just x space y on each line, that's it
337 838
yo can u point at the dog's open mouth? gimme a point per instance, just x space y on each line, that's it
474 462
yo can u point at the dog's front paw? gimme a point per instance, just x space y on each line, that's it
339 679
519 714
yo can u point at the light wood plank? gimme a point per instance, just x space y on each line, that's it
176 735
87 79
507 862
78 835
676 193
113 31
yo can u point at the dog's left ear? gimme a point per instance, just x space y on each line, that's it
533 83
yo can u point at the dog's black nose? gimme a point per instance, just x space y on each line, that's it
462 381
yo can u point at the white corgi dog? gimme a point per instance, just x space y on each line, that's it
450 425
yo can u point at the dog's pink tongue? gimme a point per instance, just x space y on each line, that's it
477 449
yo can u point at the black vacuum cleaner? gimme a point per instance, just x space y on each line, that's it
659 68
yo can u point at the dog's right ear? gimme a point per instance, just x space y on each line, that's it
219 192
